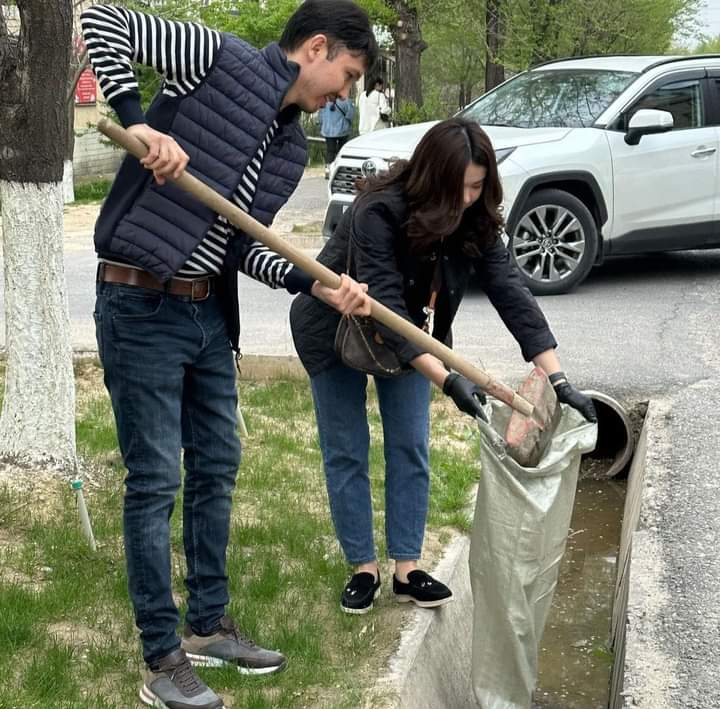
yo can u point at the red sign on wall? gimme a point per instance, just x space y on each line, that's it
86 89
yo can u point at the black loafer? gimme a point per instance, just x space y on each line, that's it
422 589
360 592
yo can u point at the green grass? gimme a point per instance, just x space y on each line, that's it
67 637
95 191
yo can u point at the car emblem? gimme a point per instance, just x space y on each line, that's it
369 168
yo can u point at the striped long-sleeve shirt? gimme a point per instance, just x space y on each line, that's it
182 52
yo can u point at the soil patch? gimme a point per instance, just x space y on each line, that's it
75 634
37 492
89 385
80 217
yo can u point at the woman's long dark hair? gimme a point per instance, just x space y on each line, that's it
372 84
433 181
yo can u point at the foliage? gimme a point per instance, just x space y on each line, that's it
91 192
709 45
538 30
454 64
409 112
258 23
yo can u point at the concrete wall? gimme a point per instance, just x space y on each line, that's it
631 522
646 666
93 158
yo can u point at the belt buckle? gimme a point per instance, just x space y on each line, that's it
206 283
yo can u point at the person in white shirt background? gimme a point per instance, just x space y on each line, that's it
373 107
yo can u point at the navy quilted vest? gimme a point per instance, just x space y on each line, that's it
220 126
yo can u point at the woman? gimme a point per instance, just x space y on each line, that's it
374 108
414 234
336 119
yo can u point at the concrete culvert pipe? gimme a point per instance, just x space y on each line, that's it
615 442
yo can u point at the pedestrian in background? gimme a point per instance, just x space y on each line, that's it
374 107
335 119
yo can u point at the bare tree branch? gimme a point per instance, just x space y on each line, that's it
83 63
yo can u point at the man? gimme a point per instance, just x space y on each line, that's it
336 119
167 306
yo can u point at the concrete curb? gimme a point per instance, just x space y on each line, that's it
252 367
644 672
262 367
431 669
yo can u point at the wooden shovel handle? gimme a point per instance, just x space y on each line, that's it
321 273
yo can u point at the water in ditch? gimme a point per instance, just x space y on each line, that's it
575 662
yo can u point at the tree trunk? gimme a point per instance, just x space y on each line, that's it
409 46
68 172
494 71
547 30
462 98
37 424
37 420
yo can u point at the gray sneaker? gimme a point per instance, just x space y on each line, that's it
171 683
230 647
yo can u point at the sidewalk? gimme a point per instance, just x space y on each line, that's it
301 219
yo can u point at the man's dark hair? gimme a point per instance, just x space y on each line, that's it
345 24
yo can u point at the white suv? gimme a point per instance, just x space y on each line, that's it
599 156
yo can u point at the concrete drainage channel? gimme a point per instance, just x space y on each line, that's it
587 650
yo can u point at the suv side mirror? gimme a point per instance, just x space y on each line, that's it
647 121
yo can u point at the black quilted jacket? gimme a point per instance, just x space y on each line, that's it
402 282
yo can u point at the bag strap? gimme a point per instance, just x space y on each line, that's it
435 286
349 250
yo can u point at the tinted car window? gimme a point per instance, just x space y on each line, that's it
570 98
683 99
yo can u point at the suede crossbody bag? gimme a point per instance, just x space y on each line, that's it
359 344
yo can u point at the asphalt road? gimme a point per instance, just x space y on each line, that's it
637 329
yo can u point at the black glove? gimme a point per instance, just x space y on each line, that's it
568 394
468 397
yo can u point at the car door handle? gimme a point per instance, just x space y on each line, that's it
702 152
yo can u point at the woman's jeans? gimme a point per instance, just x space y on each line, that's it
332 147
340 407
170 372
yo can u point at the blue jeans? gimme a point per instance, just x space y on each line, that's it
170 371
339 394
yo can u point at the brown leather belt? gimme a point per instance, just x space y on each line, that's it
196 289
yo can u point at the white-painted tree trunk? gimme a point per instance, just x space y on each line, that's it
37 423
68 182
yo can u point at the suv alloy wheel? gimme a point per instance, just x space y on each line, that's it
554 242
